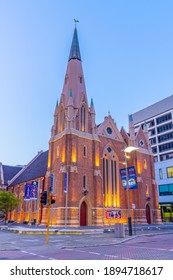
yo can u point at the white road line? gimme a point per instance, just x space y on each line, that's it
41 256
24 252
33 254
112 256
94 253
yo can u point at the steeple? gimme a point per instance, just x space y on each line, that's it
75 51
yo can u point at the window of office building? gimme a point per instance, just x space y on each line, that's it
166 156
166 189
165 137
165 127
164 118
154 150
152 132
153 141
167 146
169 172
160 173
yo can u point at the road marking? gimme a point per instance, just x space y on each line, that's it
24 252
80 251
170 250
32 240
112 256
33 254
41 256
94 253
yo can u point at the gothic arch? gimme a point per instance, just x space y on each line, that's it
85 208
110 171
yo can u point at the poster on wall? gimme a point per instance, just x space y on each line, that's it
132 183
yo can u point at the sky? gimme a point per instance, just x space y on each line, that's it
127 57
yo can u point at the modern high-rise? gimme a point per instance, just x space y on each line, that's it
159 120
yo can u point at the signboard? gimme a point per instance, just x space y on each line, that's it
31 190
65 182
51 182
114 214
132 184
27 193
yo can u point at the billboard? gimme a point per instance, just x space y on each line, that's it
131 173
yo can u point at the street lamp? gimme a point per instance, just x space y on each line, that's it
128 150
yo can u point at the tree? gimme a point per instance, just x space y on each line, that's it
8 202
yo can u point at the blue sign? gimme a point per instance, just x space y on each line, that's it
51 182
27 193
131 173
65 182
31 190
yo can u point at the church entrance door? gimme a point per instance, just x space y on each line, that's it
83 214
148 215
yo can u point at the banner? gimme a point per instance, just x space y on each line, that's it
65 182
51 182
132 184
34 190
27 194
31 190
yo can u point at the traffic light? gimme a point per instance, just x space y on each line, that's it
53 199
43 198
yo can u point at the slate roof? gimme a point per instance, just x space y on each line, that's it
9 172
36 168
75 51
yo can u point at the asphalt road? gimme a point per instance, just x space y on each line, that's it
150 245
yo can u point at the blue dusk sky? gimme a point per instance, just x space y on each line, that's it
127 55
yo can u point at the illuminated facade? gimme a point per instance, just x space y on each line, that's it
91 156
84 160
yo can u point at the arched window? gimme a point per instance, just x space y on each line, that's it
145 164
84 183
84 151
146 190
110 180
82 118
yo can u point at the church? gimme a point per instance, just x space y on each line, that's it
86 166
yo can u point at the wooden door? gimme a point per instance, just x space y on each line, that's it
83 214
148 215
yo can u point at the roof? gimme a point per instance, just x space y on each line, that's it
36 168
153 110
9 172
75 51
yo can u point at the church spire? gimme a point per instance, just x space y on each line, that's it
75 51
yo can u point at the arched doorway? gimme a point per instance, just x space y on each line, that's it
83 214
148 214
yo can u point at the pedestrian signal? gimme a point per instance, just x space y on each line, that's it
43 198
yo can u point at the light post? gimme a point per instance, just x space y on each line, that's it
128 150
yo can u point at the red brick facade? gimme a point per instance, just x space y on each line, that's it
92 156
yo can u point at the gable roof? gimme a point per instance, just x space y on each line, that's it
9 172
34 169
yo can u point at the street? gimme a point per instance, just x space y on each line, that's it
98 246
